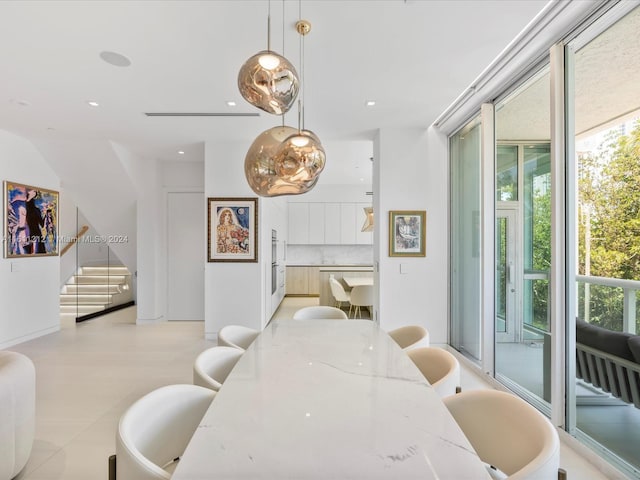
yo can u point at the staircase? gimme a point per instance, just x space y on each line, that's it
95 289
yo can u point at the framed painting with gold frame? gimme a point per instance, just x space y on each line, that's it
31 221
407 233
232 230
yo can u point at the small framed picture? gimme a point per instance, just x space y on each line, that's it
407 233
31 221
232 228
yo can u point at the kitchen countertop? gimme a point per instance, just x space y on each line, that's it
330 265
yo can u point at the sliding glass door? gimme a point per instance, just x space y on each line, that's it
605 68
465 288
523 229
562 265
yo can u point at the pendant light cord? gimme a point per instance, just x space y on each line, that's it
283 115
269 26
303 87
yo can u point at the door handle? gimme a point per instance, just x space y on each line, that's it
510 276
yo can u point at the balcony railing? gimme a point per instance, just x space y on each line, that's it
629 289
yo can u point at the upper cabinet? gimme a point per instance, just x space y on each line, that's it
298 223
317 223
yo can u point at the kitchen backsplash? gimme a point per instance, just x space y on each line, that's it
329 255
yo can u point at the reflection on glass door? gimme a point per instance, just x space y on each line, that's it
466 291
607 275
523 241
505 278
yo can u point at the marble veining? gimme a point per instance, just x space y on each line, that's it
327 400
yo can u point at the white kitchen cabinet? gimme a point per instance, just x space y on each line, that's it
298 223
348 223
316 223
332 223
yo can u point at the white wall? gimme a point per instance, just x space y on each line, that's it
410 173
110 205
234 292
28 286
154 180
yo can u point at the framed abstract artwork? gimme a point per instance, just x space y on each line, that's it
407 233
31 221
232 230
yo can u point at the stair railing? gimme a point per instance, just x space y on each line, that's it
73 241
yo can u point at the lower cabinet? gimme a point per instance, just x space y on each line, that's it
303 281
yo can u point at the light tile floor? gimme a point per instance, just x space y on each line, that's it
87 375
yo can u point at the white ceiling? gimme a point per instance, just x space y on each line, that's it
412 57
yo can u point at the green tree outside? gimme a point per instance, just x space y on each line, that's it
609 199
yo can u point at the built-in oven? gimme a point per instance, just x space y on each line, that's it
274 261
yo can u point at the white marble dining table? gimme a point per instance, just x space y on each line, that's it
327 400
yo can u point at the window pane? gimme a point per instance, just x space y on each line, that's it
465 240
506 173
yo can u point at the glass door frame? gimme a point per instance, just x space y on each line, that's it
513 317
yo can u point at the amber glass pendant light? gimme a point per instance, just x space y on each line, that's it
268 80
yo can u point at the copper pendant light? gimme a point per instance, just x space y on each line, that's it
300 159
259 163
285 160
268 80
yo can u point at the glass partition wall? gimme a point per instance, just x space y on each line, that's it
95 280
566 245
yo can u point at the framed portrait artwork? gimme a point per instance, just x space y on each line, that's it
31 221
407 233
232 228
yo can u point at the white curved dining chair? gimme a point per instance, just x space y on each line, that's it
361 296
212 367
319 312
237 336
439 367
507 433
339 293
156 429
410 336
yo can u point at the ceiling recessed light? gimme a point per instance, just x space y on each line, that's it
116 59
370 103
231 103
93 104
180 152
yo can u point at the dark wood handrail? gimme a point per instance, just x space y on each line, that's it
82 231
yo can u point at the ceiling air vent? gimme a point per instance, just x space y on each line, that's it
200 114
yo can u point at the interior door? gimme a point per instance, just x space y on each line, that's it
506 282
185 255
